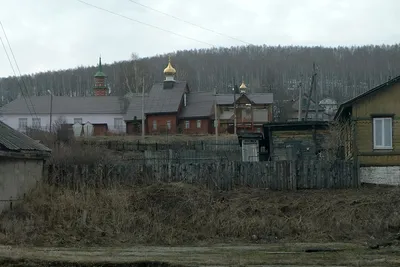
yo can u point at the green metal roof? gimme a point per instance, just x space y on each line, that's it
100 72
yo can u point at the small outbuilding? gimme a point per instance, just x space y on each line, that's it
21 165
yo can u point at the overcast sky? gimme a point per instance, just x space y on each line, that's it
54 34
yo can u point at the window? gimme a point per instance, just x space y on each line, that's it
22 123
382 133
154 125
198 123
36 123
77 120
118 123
169 125
187 124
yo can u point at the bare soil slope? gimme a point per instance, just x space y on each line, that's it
176 214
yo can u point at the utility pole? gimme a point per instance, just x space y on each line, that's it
216 122
234 108
51 109
143 120
300 103
312 87
316 95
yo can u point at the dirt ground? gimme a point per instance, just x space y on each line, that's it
295 254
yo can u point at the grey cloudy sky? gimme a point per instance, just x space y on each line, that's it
54 34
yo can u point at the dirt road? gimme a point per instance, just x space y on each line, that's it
338 254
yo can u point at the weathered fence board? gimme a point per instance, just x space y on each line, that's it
202 145
222 175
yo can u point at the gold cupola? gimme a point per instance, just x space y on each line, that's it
169 70
243 87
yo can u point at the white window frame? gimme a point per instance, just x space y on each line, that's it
169 125
20 126
198 124
383 133
78 120
187 124
154 125
36 123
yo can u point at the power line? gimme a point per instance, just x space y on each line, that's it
191 23
16 64
144 23
12 67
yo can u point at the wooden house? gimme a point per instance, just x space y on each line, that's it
370 129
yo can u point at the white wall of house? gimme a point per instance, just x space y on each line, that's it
389 175
115 122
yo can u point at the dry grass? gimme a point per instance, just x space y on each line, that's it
167 214
75 153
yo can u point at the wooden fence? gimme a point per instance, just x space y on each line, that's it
126 145
221 175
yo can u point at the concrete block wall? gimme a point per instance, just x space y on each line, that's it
17 177
389 175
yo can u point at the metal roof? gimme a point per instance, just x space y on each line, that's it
135 108
14 141
198 105
162 100
66 105
159 100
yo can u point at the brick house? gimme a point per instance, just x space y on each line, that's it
197 114
162 106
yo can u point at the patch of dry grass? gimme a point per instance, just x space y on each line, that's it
184 214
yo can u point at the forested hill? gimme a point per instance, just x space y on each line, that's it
343 72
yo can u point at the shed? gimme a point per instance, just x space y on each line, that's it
21 164
294 140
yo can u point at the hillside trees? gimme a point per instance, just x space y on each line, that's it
343 72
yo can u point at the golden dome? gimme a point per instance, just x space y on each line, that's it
243 86
169 70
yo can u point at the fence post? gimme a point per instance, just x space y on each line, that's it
293 174
170 158
356 172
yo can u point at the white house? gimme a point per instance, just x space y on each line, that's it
101 110
44 112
